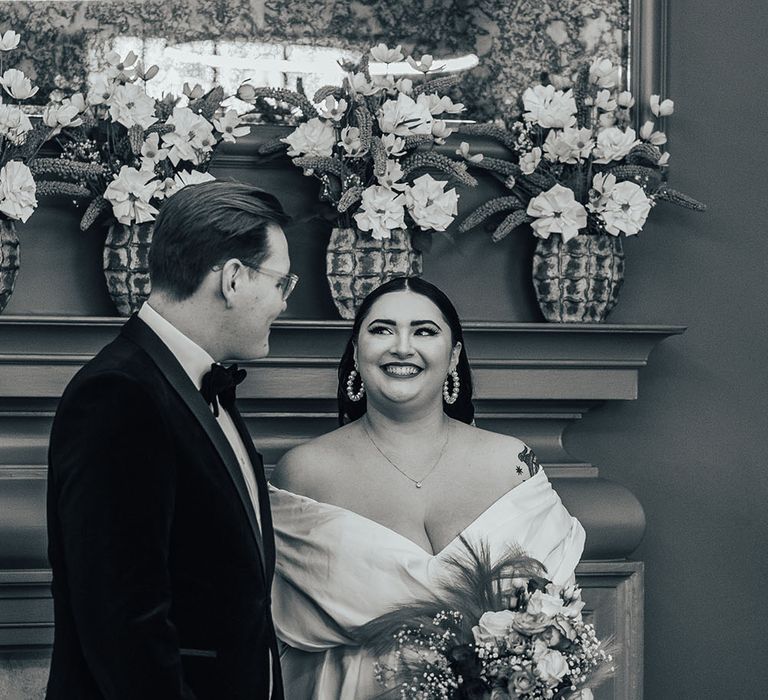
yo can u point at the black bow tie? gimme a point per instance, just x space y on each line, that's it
219 384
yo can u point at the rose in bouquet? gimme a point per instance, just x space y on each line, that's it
372 141
573 162
497 630
19 139
123 151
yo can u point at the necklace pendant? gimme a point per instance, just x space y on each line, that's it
418 484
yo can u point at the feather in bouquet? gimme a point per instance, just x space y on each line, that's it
575 165
493 631
124 151
372 140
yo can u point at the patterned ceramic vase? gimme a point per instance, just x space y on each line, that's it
9 260
578 280
126 265
357 263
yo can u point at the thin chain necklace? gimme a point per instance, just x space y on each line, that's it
417 482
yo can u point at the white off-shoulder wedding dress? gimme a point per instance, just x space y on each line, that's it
337 570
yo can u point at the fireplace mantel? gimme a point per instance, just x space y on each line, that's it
532 380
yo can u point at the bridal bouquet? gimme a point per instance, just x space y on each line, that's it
371 140
124 151
500 631
575 163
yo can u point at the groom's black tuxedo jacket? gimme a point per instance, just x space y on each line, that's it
161 578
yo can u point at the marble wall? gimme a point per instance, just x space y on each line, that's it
516 40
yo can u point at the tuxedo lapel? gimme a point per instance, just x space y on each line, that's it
141 334
261 481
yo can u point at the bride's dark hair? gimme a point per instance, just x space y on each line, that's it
463 409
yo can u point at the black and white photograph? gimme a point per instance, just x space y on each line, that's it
383 350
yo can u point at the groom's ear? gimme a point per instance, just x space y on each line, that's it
232 272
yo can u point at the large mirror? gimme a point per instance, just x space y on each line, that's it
517 42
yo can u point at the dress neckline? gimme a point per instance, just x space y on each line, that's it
472 523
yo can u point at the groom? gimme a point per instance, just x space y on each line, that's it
160 535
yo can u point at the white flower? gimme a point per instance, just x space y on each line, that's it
381 211
359 83
424 65
625 209
429 205
393 145
17 191
101 90
9 40
664 160
312 138
441 131
439 105
493 626
14 124
549 107
129 193
545 603
404 117
463 151
661 109
603 72
151 152
229 126
568 146
130 105
383 82
404 85
614 144
604 101
191 138
334 109
350 141
392 176
118 68
60 116
17 85
551 666
557 211
625 100
383 54
187 177
657 138
530 161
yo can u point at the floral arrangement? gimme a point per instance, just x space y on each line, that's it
576 164
124 151
500 631
367 140
19 139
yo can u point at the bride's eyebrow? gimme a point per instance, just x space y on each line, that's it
390 322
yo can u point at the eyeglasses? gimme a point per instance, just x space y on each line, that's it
287 282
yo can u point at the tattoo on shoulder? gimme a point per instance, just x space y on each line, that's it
529 459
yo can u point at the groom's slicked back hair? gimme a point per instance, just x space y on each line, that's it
205 225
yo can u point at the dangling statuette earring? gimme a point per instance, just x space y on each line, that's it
351 387
450 396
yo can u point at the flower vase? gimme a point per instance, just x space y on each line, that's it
578 280
126 265
357 263
9 260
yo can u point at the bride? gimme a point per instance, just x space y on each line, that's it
366 516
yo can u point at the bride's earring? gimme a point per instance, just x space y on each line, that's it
450 395
351 387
